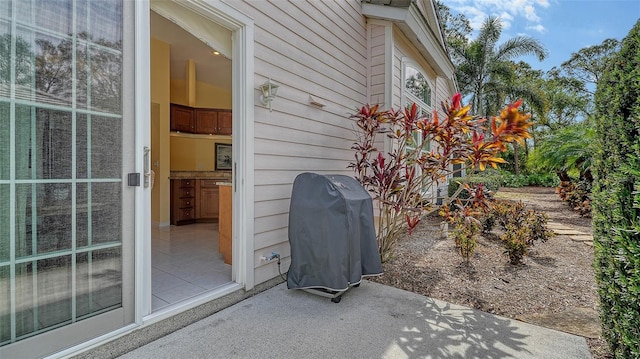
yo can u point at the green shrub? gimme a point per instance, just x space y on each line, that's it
492 180
465 234
532 179
488 221
616 214
513 181
515 243
543 179
522 228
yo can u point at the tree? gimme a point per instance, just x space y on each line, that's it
568 102
588 64
455 28
23 60
566 149
524 83
616 195
484 67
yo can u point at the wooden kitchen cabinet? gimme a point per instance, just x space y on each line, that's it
225 122
206 121
225 224
183 202
207 197
182 118
194 200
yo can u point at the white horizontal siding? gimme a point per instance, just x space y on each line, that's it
289 146
378 60
309 48
303 164
271 238
271 207
295 139
268 271
404 49
273 192
443 93
270 223
317 48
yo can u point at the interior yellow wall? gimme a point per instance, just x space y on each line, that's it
207 96
193 154
160 148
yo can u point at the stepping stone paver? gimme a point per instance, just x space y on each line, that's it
582 238
584 322
568 231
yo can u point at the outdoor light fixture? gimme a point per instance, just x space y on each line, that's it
269 91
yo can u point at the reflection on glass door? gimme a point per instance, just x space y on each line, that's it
61 150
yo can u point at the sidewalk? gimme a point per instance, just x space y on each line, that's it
371 321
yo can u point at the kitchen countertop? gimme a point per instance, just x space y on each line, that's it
221 176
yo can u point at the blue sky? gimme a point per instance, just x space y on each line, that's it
563 26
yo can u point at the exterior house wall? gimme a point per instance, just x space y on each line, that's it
377 70
313 48
403 50
440 86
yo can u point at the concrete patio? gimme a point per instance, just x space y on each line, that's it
371 321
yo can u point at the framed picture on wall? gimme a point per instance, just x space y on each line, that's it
224 161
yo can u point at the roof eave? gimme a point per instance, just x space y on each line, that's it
413 24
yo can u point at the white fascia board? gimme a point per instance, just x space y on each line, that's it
187 16
413 24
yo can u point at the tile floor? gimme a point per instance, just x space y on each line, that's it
185 262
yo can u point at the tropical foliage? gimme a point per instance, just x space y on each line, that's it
404 179
616 192
567 149
485 70
560 97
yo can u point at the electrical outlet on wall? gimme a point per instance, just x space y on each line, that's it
270 257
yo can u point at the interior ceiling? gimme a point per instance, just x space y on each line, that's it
214 70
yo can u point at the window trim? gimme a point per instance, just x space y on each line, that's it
406 96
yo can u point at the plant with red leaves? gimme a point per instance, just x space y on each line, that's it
403 180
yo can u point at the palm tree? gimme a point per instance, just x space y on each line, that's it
485 70
567 149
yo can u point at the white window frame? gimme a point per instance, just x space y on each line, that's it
407 97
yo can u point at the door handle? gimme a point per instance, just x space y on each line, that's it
147 167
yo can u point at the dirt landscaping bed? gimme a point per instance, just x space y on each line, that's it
554 287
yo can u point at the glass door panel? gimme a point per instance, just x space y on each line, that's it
64 206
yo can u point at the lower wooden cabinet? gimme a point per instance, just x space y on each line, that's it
225 224
194 200
207 199
183 201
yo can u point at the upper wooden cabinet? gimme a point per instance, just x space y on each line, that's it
207 121
182 119
225 123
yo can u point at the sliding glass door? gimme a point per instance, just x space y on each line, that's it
66 140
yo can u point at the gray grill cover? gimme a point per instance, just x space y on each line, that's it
331 232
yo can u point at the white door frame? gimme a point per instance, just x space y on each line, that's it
242 29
